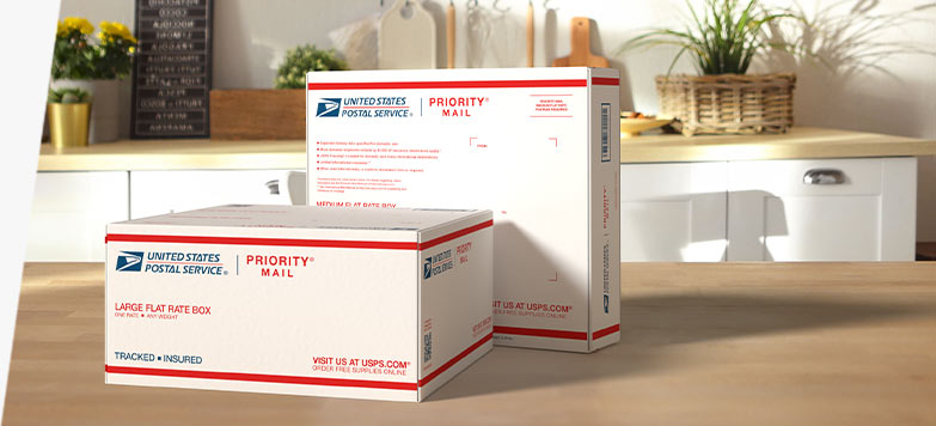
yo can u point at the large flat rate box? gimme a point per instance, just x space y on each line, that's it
386 304
538 146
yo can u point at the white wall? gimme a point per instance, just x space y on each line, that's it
862 87
21 124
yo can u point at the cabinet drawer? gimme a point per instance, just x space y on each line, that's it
859 176
160 192
822 210
70 212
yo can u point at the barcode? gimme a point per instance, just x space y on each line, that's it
605 147
427 347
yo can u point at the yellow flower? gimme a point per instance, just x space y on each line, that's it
116 29
121 29
80 24
60 29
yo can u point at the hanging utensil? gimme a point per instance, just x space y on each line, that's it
581 55
529 34
407 37
450 34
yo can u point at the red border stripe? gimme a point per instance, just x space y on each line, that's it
189 239
292 242
456 234
606 331
605 81
299 380
448 84
540 332
267 378
455 360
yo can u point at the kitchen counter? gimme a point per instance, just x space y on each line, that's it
743 343
175 154
203 154
798 143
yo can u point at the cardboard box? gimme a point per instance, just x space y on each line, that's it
538 146
357 303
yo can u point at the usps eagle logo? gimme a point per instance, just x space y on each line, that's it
328 107
130 261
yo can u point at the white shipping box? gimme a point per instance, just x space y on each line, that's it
538 146
358 303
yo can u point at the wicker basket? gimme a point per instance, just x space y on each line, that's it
728 103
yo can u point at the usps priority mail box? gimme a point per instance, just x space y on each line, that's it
359 303
537 146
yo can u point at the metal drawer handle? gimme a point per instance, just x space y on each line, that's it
273 186
824 177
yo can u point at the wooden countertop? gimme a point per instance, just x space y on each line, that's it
176 154
745 343
799 142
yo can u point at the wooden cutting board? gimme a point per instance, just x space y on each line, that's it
581 55
406 37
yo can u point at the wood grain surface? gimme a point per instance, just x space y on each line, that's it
797 143
704 344
258 114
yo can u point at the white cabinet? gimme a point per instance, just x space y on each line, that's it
783 210
160 192
673 212
822 210
70 211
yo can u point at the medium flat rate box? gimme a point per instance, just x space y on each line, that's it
537 146
358 303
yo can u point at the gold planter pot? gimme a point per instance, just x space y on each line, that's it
68 124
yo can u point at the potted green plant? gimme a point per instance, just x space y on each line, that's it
301 60
723 39
94 67
69 117
272 114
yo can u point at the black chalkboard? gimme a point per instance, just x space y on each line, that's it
172 69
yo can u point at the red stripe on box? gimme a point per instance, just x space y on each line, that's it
540 332
386 245
460 233
604 81
298 380
265 378
191 239
455 360
606 331
447 84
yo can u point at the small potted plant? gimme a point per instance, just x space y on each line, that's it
300 60
271 114
69 117
723 39
95 68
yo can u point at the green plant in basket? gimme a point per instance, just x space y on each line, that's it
68 96
291 73
723 38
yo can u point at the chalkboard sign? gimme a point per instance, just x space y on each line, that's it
172 69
